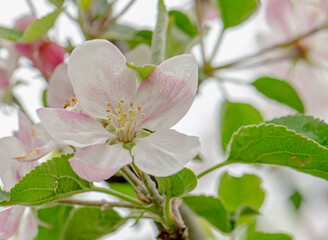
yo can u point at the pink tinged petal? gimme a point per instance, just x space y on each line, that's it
164 153
28 229
279 13
37 152
72 128
60 88
98 72
9 221
140 55
24 133
50 54
4 81
99 162
164 100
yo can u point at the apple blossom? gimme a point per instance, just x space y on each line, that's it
122 115
303 59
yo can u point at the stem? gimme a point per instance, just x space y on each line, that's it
102 205
31 6
123 10
218 44
133 180
167 210
119 195
151 187
212 169
199 14
195 232
270 48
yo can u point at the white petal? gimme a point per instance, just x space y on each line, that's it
28 229
140 55
99 162
24 133
98 72
60 88
72 128
164 153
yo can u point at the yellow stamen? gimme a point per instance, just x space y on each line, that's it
107 110
109 104
121 101
131 103
142 116
139 107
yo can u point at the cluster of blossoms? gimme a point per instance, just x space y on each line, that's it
113 120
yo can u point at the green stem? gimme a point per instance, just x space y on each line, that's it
102 204
133 180
167 210
217 45
212 169
241 60
120 195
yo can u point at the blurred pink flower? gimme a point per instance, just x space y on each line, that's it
302 62
44 54
130 115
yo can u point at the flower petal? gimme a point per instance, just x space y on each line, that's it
60 89
28 229
9 221
24 133
167 93
72 128
99 162
164 153
98 72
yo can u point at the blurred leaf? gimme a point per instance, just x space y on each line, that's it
198 158
180 33
280 91
52 180
272 144
158 43
44 98
143 70
236 192
10 34
92 223
178 184
211 209
56 218
234 12
142 36
268 236
124 188
85 4
40 27
234 116
69 223
4 196
296 198
308 126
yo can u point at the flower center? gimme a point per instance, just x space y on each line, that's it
122 120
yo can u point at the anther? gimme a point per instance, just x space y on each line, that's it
109 104
121 101
107 110
142 116
131 103
139 107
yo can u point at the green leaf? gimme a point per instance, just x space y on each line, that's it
143 70
92 223
234 12
40 27
124 188
268 236
178 184
142 36
308 126
272 144
10 34
280 91
44 98
85 4
211 209
234 116
69 223
4 196
296 198
237 192
180 34
54 221
51 181
159 35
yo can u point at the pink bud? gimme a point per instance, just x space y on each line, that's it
50 54
4 82
26 49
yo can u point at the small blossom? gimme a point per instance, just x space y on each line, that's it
125 121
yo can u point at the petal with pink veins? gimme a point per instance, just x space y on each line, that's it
164 97
164 153
72 128
9 221
98 72
60 89
99 162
